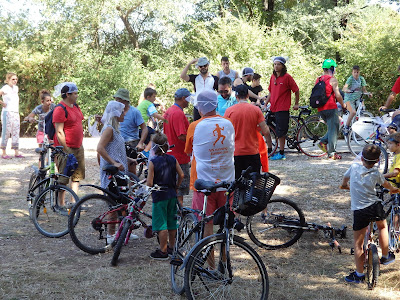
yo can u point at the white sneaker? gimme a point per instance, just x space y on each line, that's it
134 237
110 238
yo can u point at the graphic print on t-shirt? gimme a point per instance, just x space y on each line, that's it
218 130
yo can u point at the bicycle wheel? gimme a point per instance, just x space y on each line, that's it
383 162
355 143
216 270
274 141
89 231
120 242
394 229
183 245
309 136
35 187
291 138
280 226
372 266
48 216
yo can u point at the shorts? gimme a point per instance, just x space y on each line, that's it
214 201
164 215
132 145
242 162
150 131
282 123
79 173
353 103
183 189
40 137
362 217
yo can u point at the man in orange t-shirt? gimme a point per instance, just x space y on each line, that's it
247 119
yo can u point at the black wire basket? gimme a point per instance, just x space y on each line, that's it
254 193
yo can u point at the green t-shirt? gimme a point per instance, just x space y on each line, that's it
356 86
147 109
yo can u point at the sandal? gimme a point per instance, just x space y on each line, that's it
5 157
19 156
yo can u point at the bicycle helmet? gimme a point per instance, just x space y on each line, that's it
329 63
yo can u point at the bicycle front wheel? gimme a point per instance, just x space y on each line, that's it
50 210
310 135
355 142
274 140
216 270
394 228
184 242
278 226
372 266
96 220
120 242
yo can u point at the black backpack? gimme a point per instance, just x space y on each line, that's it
318 96
50 130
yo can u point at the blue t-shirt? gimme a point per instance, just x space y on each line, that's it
129 128
164 176
224 104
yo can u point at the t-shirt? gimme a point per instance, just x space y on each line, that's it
11 98
245 118
200 84
164 176
147 109
396 86
223 104
38 110
72 125
280 89
231 75
395 165
177 125
331 103
356 86
362 185
129 128
211 140
257 89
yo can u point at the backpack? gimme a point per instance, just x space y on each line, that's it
318 96
50 130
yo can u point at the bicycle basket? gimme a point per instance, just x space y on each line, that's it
253 195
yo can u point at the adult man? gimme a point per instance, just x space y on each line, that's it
247 76
201 82
280 87
392 96
329 112
247 119
176 130
226 71
211 140
130 126
69 134
225 98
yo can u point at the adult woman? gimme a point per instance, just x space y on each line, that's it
10 115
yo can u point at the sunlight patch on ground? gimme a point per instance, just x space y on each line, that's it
19 212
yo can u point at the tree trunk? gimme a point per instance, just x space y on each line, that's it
133 37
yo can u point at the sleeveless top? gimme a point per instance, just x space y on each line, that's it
331 104
231 74
164 176
116 149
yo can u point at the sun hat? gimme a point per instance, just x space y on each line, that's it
248 71
71 88
202 62
242 90
207 101
113 109
123 94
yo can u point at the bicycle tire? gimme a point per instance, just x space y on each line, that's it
49 218
139 170
394 229
89 232
281 227
291 136
36 186
181 250
372 266
120 241
309 136
355 142
274 140
241 259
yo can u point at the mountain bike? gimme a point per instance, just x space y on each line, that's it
52 205
223 265
100 214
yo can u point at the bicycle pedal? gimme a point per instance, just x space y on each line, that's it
176 261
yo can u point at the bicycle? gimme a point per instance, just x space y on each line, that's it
360 112
99 214
371 257
283 224
141 160
216 264
304 134
52 205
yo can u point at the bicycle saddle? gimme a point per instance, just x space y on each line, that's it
110 169
40 150
209 186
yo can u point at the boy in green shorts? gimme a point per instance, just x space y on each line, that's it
163 171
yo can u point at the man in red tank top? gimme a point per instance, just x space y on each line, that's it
329 112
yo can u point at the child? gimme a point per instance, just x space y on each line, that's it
256 88
41 111
393 144
163 170
367 207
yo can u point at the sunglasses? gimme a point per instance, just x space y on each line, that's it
223 92
205 66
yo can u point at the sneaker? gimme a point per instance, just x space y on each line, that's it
146 153
169 250
159 255
353 277
335 156
278 156
110 238
389 259
323 147
346 130
134 237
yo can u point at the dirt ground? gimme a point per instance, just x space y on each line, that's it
35 267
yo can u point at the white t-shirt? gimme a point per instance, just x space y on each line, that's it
362 185
11 98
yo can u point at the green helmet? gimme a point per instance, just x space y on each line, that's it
328 63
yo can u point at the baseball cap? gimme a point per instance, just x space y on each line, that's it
242 90
202 62
123 94
183 92
71 88
248 71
